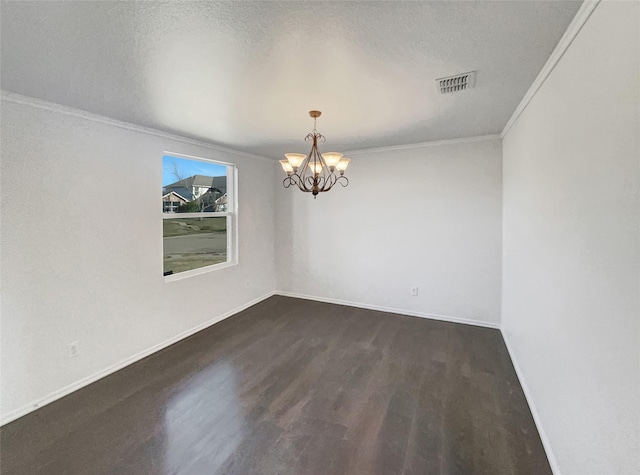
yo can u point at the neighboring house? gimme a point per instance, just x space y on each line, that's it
212 201
198 185
221 203
206 190
172 200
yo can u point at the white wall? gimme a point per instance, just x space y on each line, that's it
428 216
78 266
571 302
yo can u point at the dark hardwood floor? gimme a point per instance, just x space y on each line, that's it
298 387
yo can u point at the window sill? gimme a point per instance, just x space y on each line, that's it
201 270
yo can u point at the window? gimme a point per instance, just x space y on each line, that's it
170 206
199 219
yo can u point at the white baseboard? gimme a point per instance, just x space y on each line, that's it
532 407
398 311
15 414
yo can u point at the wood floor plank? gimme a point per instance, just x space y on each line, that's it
289 387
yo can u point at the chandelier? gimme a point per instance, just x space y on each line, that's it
315 172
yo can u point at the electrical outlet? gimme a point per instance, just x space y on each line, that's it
72 349
414 291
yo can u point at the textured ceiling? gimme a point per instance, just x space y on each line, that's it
244 74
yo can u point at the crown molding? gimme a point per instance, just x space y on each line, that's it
581 17
432 143
14 98
70 111
583 14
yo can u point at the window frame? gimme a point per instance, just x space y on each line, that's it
231 215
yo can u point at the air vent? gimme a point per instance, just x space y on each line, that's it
457 83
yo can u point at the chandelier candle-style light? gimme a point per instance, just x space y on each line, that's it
315 172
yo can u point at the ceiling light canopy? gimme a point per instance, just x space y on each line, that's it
315 172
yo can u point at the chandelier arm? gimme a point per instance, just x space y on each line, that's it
343 178
296 180
293 179
334 180
326 173
308 183
303 172
303 168
323 181
302 186
305 163
327 183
